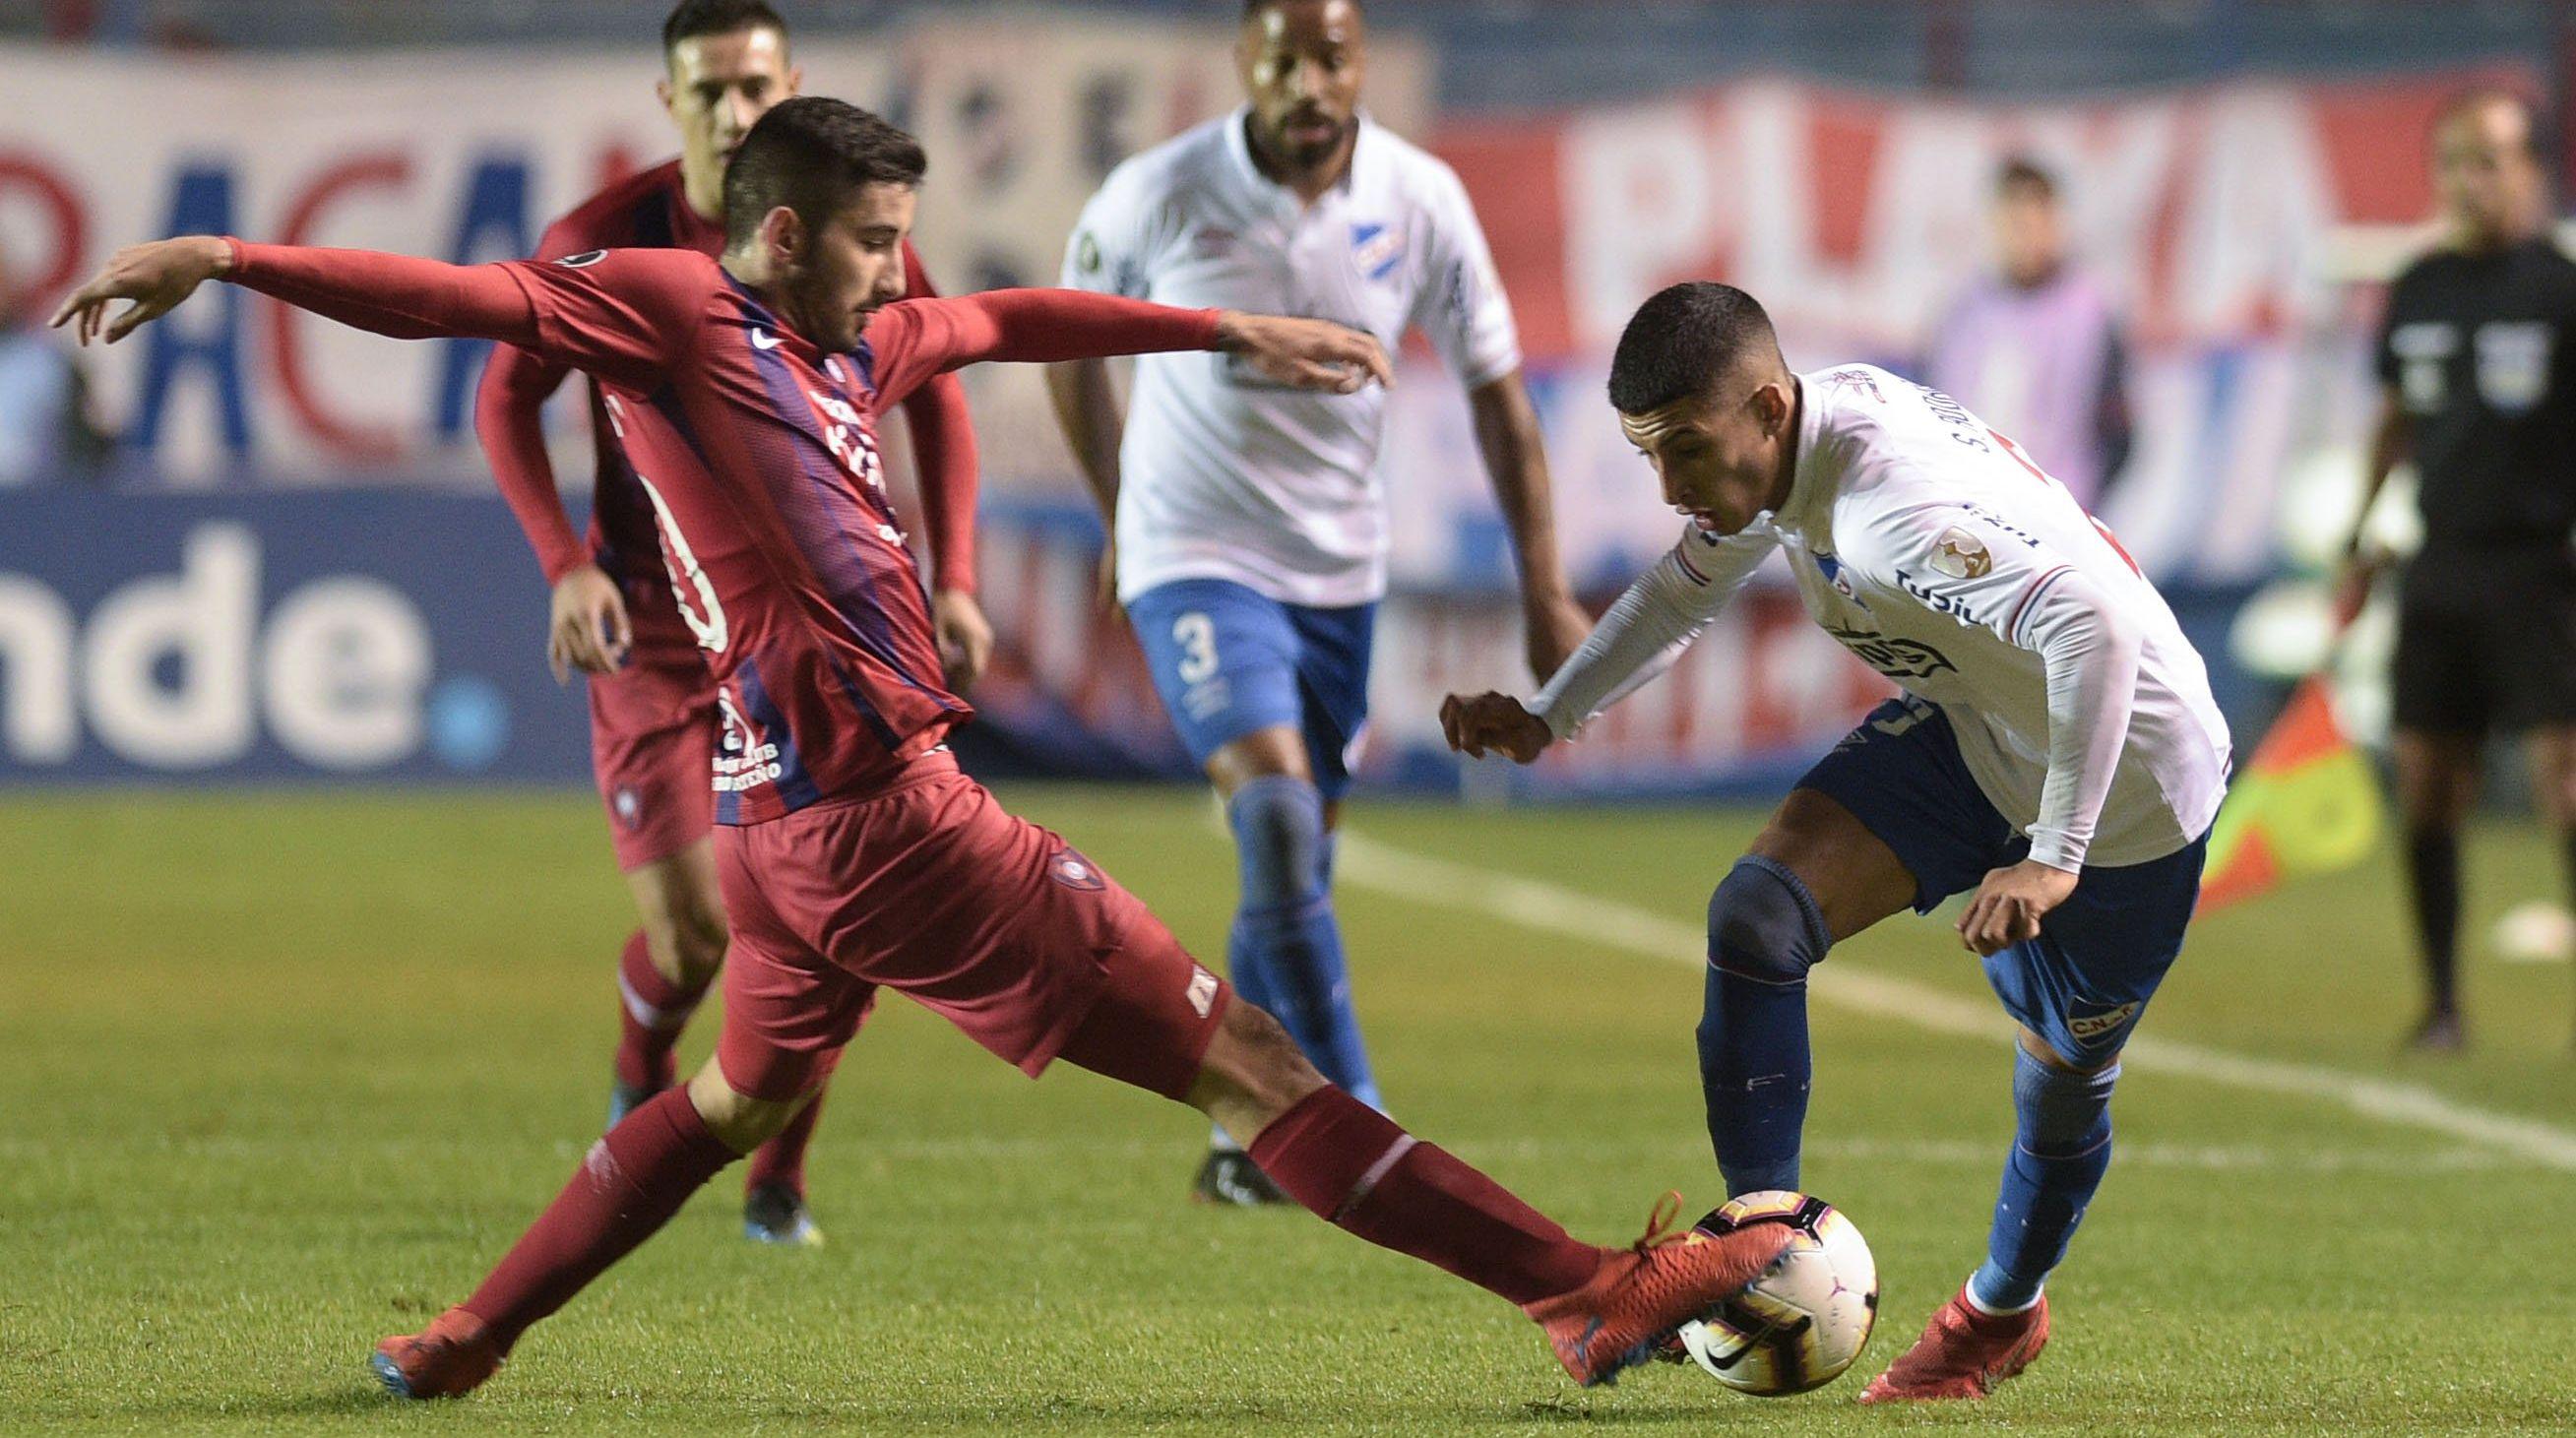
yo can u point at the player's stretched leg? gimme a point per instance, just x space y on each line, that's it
629 1184
1603 1309
1814 876
787 1016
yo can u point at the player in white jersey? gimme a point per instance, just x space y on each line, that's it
2056 751
1249 522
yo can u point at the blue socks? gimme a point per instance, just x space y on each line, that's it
1285 951
1764 933
2058 1158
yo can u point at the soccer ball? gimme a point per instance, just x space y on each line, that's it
1802 1323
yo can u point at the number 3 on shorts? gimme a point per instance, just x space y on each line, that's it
1196 634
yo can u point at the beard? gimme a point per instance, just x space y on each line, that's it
1306 151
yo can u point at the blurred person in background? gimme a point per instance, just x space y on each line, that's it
46 433
2035 346
1248 522
652 701
2479 392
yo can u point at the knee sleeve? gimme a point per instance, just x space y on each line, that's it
1763 925
1278 823
2063 1115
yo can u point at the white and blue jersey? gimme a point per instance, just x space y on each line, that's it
2054 711
1251 525
1225 475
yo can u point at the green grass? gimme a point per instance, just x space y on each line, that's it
279 1074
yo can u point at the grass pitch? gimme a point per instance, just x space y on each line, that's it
284 1073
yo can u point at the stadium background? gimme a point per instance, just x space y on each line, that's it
291 564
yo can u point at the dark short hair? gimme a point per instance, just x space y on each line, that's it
692 18
1684 339
2022 173
812 154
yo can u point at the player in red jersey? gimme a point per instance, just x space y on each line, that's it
652 704
852 852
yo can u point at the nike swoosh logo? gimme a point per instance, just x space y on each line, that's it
764 340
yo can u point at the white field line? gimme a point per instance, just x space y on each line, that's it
1558 1149
1555 909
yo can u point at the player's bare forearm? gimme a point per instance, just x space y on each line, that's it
1086 409
1515 455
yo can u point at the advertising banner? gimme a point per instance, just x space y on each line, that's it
264 637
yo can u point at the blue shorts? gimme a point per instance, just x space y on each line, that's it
1228 661
2082 984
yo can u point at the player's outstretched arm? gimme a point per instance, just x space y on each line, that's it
917 338
1647 628
1641 636
397 295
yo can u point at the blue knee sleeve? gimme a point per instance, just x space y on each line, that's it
1286 946
1764 933
2060 1151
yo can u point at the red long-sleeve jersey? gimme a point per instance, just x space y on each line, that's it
648 210
757 456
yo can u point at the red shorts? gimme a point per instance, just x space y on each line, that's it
652 748
928 888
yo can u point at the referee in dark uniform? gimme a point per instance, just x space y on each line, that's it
2478 360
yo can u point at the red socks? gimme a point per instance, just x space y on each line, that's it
650 1016
628 1186
1355 1168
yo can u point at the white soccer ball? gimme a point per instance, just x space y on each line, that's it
2537 932
1801 1324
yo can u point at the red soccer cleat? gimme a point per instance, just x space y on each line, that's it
1962 1354
1643 1292
448 1359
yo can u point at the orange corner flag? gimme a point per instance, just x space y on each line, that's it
2306 803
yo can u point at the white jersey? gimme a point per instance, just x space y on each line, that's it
1934 550
1222 473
